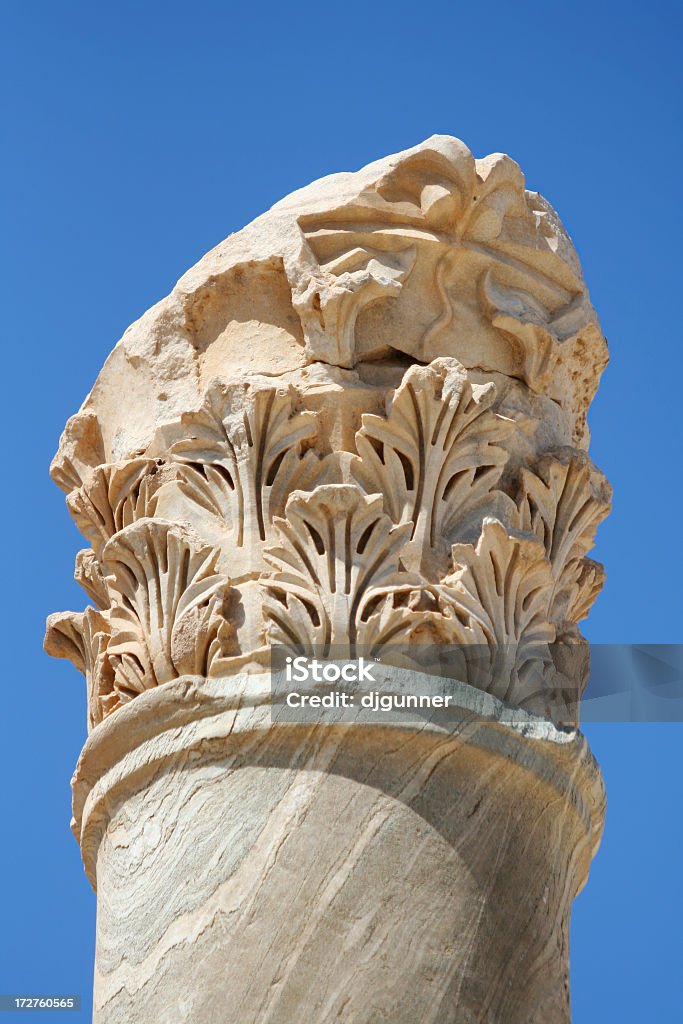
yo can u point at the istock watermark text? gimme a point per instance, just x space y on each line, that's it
303 670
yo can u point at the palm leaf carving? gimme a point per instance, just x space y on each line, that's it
437 458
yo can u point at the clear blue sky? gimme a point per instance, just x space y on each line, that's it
137 136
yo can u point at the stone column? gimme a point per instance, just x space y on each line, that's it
358 423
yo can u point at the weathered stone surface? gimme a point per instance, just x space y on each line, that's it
253 873
426 253
359 422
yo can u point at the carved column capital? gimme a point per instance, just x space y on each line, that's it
358 422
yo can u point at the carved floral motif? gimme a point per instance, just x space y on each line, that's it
562 504
163 616
437 458
239 458
165 605
337 559
499 594
111 498
432 539
83 638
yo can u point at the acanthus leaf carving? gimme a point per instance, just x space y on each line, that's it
583 589
562 504
163 619
499 599
112 497
425 475
410 619
437 458
83 638
88 574
166 600
502 585
238 458
338 556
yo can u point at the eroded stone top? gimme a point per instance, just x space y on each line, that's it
422 254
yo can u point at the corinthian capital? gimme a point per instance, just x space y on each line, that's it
357 423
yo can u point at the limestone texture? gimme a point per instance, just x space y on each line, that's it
357 425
